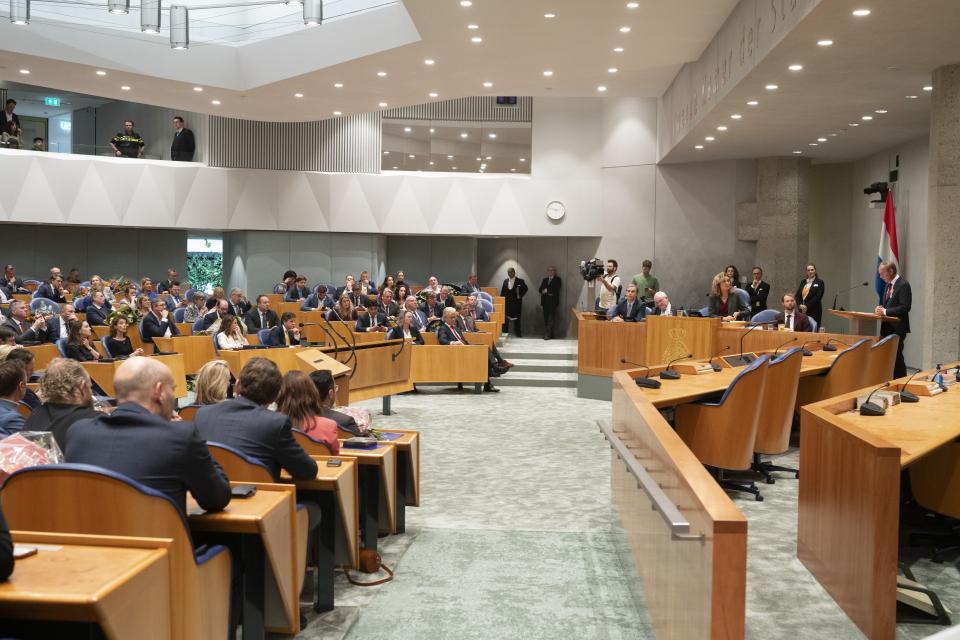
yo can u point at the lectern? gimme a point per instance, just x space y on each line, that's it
863 324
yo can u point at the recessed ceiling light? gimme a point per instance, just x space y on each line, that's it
928 88
476 39
624 29
479 159
513 170
853 124
601 88
832 135
395 168
699 146
25 72
383 105
407 129
881 111
797 152
298 95
466 3
101 73
795 67
633 5
866 118
382 74
215 102
432 130
523 159
752 103
618 49
813 144
821 139
489 158
912 97
432 163
124 87
548 73
386 153
825 43
549 15
492 136
612 70
337 113
861 12
453 168
709 138
721 128
338 85
411 156
429 62
772 87
473 26
434 94
464 135
449 157
735 116
488 84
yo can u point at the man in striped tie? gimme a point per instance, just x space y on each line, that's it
896 303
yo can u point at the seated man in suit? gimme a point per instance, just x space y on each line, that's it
165 285
445 299
449 333
27 359
97 310
466 324
211 321
373 321
471 286
388 307
13 385
790 318
139 440
59 326
662 306
158 323
52 289
238 303
477 312
431 308
285 334
317 300
261 316
347 287
174 297
68 395
7 336
245 423
298 291
11 281
17 322
630 309
326 387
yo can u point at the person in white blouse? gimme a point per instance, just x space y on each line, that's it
230 335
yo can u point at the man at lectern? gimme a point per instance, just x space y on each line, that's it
896 302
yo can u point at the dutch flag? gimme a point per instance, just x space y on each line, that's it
888 243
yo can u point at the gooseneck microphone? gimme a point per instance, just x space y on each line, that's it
716 365
645 380
909 396
807 352
743 360
670 374
783 345
856 286
830 347
870 409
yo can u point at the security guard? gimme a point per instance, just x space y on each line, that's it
128 143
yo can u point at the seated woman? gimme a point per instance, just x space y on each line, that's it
388 283
405 329
128 297
401 293
301 401
143 304
67 398
79 347
118 344
344 311
230 335
215 299
724 302
214 383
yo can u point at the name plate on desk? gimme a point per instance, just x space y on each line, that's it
693 368
922 388
885 399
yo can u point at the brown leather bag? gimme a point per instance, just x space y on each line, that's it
370 562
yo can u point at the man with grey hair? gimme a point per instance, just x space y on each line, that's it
419 318
25 331
238 303
661 305
139 440
158 323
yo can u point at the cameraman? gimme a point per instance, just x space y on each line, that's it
609 287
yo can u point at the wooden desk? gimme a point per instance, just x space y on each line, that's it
102 372
450 363
120 584
863 323
602 344
694 578
378 468
848 511
408 472
43 354
102 331
376 373
670 337
284 357
266 524
196 350
728 337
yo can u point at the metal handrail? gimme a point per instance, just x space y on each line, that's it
679 525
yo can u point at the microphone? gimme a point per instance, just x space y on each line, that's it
806 351
670 374
830 347
743 360
403 342
783 345
909 396
857 286
870 409
716 365
643 381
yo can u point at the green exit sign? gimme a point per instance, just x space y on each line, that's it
51 102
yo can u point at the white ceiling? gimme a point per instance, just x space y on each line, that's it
259 80
874 63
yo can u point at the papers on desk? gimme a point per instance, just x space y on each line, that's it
885 399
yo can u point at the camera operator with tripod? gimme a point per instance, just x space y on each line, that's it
609 288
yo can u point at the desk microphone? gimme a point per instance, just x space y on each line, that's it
870 409
909 396
747 359
830 347
806 351
716 365
643 381
670 374
857 286
783 345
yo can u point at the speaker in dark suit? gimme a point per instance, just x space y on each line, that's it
550 300
758 290
52 290
156 326
257 319
513 289
629 310
810 295
96 316
183 146
897 299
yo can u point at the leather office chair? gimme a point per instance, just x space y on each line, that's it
767 315
238 466
310 445
178 314
843 376
722 434
935 481
776 412
883 355
113 504
24 410
189 412
262 335
62 347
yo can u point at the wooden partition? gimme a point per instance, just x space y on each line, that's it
761 339
103 372
380 369
602 344
43 354
671 337
451 363
694 577
196 350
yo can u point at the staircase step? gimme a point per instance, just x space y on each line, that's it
507 381
520 367
520 355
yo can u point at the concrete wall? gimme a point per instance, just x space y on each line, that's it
450 258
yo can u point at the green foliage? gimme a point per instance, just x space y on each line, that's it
132 315
205 270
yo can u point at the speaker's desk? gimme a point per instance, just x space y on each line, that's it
848 512
120 584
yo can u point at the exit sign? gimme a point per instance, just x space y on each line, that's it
51 102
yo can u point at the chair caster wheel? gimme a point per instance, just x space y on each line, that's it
771 481
759 498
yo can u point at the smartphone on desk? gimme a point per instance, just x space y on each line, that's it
334 462
243 491
21 551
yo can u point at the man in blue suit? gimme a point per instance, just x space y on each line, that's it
419 318
13 386
59 326
138 439
285 334
629 309
158 323
52 289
